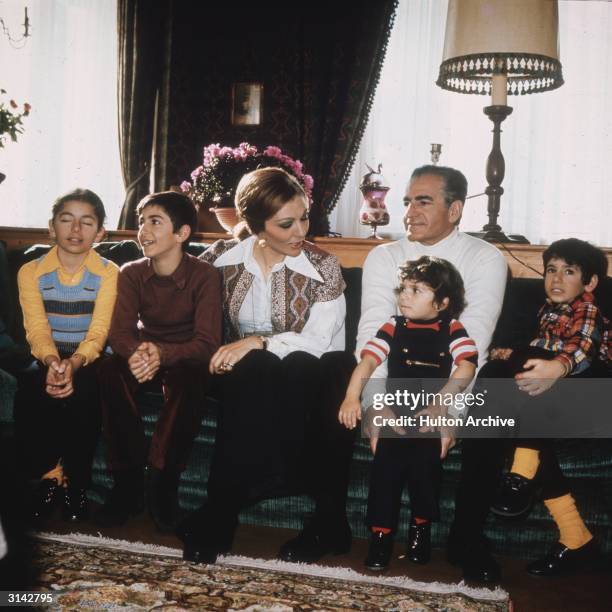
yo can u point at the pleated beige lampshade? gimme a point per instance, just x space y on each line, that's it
515 37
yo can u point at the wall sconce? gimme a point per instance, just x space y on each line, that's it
18 43
500 48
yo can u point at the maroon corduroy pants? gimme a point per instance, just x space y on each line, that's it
183 387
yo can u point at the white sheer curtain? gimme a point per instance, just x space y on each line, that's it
557 145
68 73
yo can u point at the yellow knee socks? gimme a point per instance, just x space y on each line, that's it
573 531
58 473
526 462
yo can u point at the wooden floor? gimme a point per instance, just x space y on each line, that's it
591 592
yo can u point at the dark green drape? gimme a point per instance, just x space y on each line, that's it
341 59
141 27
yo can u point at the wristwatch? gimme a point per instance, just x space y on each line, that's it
264 343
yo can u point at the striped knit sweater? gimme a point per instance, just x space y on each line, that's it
69 309
421 348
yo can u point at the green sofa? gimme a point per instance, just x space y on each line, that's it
588 463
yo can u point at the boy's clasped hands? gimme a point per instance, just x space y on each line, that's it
145 361
60 373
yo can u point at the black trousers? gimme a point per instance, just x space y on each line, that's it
278 434
415 462
48 429
483 458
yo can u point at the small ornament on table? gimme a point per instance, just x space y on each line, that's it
373 211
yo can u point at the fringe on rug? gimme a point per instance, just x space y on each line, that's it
321 571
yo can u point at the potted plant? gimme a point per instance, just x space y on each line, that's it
213 184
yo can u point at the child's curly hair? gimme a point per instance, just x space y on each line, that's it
441 276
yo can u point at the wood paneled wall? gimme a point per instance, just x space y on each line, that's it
524 260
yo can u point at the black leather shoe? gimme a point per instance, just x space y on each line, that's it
419 543
199 552
481 568
204 538
75 505
562 560
379 553
473 555
514 497
125 499
44 499
315 541
162 499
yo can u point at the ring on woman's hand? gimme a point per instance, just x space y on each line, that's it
227 365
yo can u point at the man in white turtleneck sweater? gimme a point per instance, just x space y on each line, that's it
434 203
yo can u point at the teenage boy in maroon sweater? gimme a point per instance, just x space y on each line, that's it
165 327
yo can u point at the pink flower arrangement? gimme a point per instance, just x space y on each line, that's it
222 168
10 121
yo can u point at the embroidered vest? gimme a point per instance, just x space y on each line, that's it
292 293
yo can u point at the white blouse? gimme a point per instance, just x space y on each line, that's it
324 330
3 546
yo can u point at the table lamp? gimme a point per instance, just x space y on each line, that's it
500 48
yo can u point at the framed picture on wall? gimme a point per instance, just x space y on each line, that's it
247 104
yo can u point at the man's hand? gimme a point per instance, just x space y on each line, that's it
433 411
448 439
223 361
541 375
447 434
145 361
58 383
372 430
350 412
500 354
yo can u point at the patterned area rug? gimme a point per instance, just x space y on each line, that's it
89 573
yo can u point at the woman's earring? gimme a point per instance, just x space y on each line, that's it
262 243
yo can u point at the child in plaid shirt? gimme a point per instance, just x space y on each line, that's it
571 341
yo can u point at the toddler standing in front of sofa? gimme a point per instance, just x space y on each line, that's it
430 296
67 297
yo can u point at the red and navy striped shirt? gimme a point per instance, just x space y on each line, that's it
460 345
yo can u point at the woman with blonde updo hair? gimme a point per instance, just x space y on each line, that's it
282 373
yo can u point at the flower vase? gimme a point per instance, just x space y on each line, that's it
226 216
207 221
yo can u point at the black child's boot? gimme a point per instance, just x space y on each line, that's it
379 552
125 499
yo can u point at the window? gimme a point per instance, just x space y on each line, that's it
67 71
557 145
